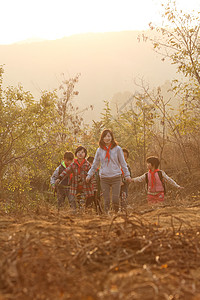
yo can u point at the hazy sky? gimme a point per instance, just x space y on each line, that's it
53 19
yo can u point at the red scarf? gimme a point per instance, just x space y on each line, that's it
153 179
79 165
107 152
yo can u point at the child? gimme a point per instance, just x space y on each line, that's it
125 184
155 180
97 188
63 188
79 168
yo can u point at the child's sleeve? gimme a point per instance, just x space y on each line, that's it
54 176
169 180
66 171
94 182
141 178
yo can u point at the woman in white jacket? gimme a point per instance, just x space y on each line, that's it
109 156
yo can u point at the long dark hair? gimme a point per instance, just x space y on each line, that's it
103 134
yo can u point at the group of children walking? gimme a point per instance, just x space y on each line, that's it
82 180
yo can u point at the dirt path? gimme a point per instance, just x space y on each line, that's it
147 254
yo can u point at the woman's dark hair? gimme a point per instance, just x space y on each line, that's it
69 155
103 134
154 161
81 148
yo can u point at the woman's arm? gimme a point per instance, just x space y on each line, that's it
54 176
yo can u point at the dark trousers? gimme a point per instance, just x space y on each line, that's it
62 194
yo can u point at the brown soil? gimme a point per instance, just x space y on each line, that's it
149 253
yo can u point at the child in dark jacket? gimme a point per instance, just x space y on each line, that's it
63 188
79 188
155 180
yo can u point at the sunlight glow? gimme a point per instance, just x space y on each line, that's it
53 19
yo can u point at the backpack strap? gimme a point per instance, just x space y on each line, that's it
146 178
161 179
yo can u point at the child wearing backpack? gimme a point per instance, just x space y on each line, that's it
155 180
63 188
79 188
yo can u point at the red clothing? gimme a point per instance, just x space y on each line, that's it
107 149
154 183
157 198
155 188
79 172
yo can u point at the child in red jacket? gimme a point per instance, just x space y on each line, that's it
79 188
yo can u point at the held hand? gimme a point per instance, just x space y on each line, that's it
128 179
180 187
57 182
87 179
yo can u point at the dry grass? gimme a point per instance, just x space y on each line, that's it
149 253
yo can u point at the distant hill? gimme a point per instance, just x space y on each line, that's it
108 63
31 40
